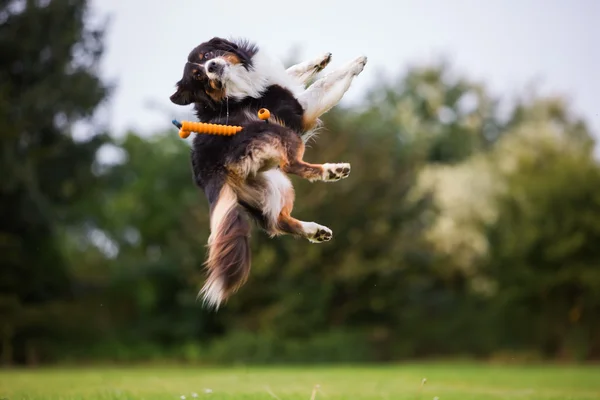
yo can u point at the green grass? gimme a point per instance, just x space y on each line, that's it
447 381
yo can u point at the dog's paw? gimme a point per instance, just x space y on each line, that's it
358 65
322 62
316 233
335 172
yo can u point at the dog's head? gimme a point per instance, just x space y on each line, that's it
215 70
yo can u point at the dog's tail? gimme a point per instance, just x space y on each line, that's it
228 260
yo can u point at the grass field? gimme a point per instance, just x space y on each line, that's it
445 381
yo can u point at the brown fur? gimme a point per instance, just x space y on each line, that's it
288 224
286 153
232 58
309 123
229 255
216 91
272 151
285 222
299 167
247 176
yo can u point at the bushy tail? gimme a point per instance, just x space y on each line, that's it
228 261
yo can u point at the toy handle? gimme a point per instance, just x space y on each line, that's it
187 127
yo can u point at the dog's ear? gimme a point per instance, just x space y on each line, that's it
182 96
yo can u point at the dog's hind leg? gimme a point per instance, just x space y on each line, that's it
328 172
286 152
267 193
262 154
277 209
306 70
327 92
309 230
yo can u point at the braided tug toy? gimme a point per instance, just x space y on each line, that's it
187 127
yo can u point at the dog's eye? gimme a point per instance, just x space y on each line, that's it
208 55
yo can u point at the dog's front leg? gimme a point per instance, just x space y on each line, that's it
327 92
306 70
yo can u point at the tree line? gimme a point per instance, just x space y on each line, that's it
462 230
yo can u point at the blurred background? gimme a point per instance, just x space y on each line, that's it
469 227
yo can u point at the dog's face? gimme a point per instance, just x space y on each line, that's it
212 70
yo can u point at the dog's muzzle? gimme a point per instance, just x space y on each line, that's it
214 68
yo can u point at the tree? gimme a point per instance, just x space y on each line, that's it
157 222
544 257
48 83
517 221
451 116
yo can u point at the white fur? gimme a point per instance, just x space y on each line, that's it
213 293
264 157
326 92
316 100
331 169
319 98
227 200
311 229
265 71
279 186
214 290
306 70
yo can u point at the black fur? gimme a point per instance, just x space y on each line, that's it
278 100
229 257
210 153
194 83
193 86
216 46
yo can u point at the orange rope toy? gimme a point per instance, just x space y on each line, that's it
187 127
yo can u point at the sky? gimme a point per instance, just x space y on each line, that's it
507 44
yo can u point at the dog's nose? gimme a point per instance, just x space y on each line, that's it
214 67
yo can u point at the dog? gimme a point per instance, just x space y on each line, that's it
242 175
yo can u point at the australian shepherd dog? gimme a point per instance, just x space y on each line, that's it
245 175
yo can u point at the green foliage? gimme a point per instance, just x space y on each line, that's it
450 116
457 233
544 257
265 348
47 84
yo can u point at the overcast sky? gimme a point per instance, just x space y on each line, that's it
506 43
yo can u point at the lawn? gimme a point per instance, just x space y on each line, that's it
445 381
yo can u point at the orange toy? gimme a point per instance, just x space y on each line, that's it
187 127
264 114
